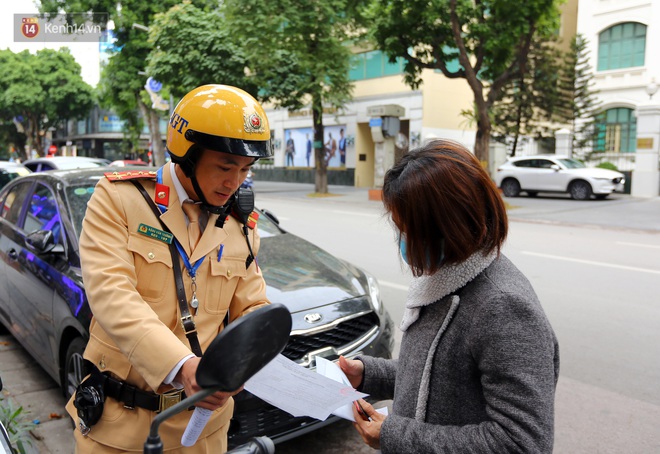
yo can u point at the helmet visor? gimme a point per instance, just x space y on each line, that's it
250 148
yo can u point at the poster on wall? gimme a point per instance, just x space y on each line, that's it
299 149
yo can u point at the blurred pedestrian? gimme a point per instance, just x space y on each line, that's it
479 361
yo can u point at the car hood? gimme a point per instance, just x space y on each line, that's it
303 276
596 173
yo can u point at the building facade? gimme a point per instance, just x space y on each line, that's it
623 39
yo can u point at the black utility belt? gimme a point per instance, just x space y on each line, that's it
92 392
133 397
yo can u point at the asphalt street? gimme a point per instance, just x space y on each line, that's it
28 386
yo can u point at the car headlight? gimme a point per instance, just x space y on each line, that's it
374 293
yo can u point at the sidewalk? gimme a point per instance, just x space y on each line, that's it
27 385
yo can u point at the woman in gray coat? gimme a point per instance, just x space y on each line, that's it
479 361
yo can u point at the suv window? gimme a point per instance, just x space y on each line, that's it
544 163
523 163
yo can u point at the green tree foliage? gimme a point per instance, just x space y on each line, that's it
533 101
491 39
580 103
122 84
210 55
43 90
298 55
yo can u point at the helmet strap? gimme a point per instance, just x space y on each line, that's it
220 210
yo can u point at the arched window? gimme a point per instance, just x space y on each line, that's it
616 131
622 46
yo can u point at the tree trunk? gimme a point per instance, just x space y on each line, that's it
32 133
321 166
482 141
157 147
152 119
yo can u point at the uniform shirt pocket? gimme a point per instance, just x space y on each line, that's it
153 266
224 279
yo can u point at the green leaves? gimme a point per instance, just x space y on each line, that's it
44 88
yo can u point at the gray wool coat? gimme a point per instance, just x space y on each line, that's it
476 373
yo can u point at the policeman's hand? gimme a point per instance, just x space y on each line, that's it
369 424
354 370
186 376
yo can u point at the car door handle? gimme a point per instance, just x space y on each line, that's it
13 254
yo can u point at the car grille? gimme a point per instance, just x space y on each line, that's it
342 334
254 417
266 420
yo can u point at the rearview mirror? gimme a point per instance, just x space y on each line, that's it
236 354
43 241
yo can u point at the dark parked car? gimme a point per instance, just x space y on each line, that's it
335 307
10 170
64 163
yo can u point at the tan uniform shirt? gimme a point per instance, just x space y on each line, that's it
136 333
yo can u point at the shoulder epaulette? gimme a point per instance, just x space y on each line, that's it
251 220
131 175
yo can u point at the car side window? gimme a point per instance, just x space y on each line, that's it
544 163
43 213
11 208
524 163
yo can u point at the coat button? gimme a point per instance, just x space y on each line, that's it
151 255
102 363
228 273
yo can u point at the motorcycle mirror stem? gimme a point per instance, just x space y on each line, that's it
154 445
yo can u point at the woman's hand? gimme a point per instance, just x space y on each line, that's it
369 429
186 376
354 370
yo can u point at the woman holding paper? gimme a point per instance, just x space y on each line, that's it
479 361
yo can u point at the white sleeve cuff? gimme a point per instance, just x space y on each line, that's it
169 380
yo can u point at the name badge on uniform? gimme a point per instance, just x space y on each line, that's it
155 233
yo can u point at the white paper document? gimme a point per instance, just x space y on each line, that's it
332 370
300 391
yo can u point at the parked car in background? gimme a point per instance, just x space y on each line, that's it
64 163
129 162
335 307
11 170
556 173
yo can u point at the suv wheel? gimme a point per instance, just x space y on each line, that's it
580 190
510 187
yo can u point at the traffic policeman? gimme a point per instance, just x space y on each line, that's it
146 335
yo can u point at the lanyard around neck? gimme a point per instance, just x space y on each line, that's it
191 268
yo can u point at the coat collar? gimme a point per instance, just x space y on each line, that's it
174 218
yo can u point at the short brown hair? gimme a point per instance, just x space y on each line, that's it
444 202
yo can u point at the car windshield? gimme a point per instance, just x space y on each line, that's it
572 164
79 195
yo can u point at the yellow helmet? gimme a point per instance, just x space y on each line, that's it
221 118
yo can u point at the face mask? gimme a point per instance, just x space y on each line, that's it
404 256
402 248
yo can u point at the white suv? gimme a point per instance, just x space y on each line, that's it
555 173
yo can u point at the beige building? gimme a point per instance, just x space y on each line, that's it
433 110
